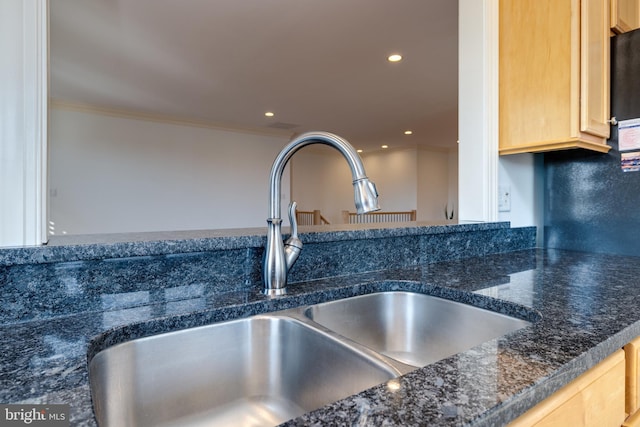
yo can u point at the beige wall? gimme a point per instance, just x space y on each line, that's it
407 179
111 174
437 184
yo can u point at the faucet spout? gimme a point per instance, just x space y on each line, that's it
277 261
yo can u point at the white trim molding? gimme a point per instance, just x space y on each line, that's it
24 53
478 110
175 120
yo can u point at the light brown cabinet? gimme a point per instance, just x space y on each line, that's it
632 382
553 75
625 15
632 421
596 398
606 395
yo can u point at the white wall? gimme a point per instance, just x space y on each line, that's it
481 171
478 109
395 173
437 184
23 121
110 173
522 175
406 179
321 179
453 201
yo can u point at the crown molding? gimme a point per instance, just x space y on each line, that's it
167 119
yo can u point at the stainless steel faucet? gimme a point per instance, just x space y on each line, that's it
280 256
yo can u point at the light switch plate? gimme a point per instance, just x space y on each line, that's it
504 199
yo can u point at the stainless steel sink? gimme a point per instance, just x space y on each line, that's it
264 370
257 371
412 328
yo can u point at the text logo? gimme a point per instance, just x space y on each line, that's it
34 415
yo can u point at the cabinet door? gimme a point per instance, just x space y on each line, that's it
625 15
594 67
554 75
539 72
632 380
596 398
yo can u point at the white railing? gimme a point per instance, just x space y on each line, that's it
310 218
373 217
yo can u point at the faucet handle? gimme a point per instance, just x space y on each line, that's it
293 245
293 220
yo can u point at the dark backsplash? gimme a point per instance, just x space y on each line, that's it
120 286
590 203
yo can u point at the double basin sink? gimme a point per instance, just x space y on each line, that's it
266 369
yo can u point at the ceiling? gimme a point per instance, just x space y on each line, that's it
317 64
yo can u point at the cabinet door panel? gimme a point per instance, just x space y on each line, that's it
554 75
632 380
539 71
594 61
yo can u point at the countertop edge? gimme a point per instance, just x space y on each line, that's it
96 247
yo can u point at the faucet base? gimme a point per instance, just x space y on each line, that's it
274 292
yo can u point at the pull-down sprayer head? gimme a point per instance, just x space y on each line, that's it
365 196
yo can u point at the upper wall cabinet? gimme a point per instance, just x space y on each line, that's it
554 75
625 15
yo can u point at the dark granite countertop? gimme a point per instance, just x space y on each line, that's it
586 302
121 245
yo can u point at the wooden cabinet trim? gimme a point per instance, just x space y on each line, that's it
594 67
632 377
556 145
632 421
625 15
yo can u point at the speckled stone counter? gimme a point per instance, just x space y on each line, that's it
103 246
55 315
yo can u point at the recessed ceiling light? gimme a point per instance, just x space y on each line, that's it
359 150
269 114
385 146
394 58
408 132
